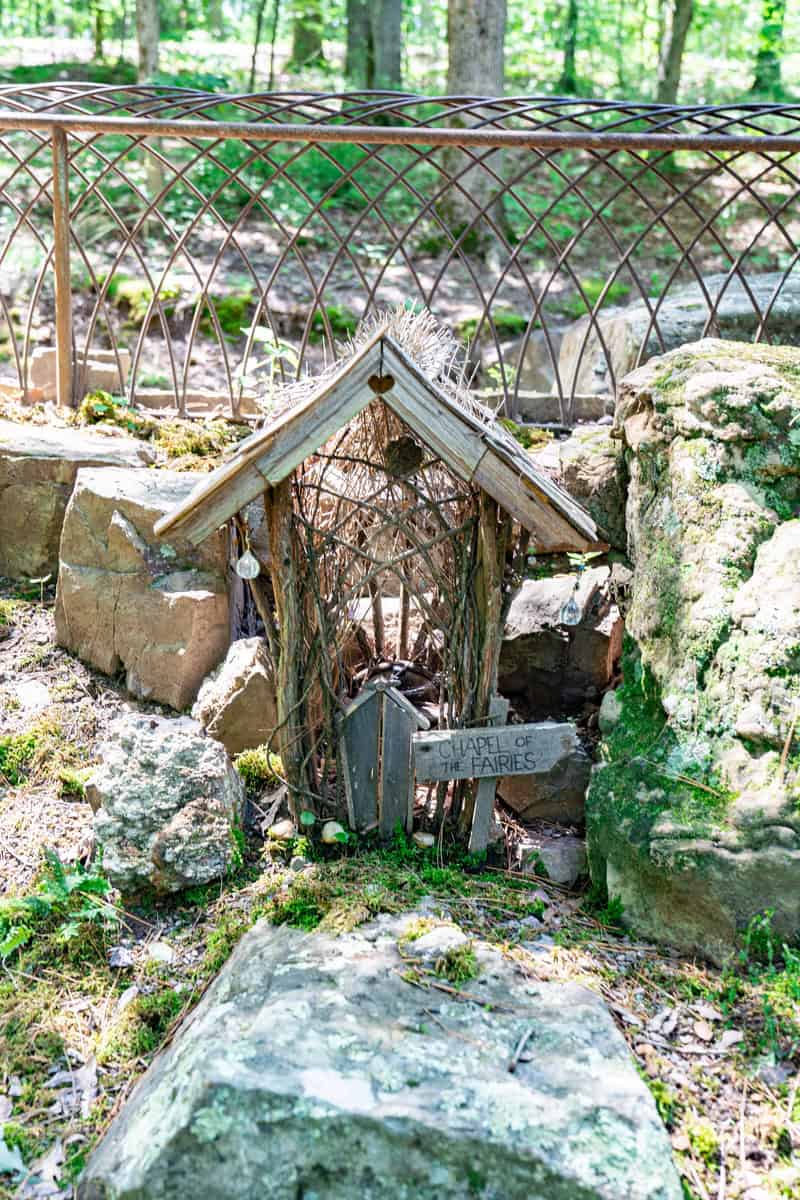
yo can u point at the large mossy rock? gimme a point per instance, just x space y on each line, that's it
312 1068
693 815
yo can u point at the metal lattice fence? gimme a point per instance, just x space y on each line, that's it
188 246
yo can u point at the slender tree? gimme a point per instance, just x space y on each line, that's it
767 77
307 27
386 20
262 4
360 55
147 34
568 83
672 47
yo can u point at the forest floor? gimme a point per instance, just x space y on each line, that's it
99 985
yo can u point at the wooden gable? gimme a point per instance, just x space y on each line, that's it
476 451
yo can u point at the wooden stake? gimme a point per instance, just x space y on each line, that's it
290 734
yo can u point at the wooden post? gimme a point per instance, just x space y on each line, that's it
291 727
61 231
489 596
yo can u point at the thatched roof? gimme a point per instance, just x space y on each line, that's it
441 413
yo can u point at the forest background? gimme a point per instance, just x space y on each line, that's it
692 51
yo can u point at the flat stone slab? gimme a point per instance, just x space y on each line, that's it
38 465
312 1069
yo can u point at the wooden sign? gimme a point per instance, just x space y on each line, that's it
490 752
486 754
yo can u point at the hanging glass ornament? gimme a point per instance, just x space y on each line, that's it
248 566
571 612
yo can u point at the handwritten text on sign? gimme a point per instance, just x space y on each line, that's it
483 753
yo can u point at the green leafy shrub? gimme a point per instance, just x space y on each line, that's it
66 899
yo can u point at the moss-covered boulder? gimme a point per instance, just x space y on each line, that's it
693 814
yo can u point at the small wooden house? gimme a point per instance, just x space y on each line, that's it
387 490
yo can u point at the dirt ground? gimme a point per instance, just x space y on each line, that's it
80 1020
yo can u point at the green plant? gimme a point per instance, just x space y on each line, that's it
458 964
665 1098
7 611
343 323
593 287
703 1138
73 781
66 899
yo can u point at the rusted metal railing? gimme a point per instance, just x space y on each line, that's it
197 233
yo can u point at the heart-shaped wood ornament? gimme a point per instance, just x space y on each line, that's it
381 384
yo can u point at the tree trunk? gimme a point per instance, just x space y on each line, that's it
767 79
475 38
360 61
386 19
98 33
262 4
475 67
215 20
568 83
671 60
147 32
307 26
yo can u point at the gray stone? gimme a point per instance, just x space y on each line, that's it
712 438
38 465
311 1068
437 942
680 319
167 801
563 858
127 600
237 702
547 668
102 370
556 795
610 712
592 471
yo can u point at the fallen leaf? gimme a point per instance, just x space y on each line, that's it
680 1141
729 1038
704 1031
160 952
126 998
48 1165
708 1011
10 1160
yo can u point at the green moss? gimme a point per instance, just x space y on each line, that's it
137 295
144 1026
507 323
223 939
233 313
7 608
528 436
648 768
703 1138
259 767
17 752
